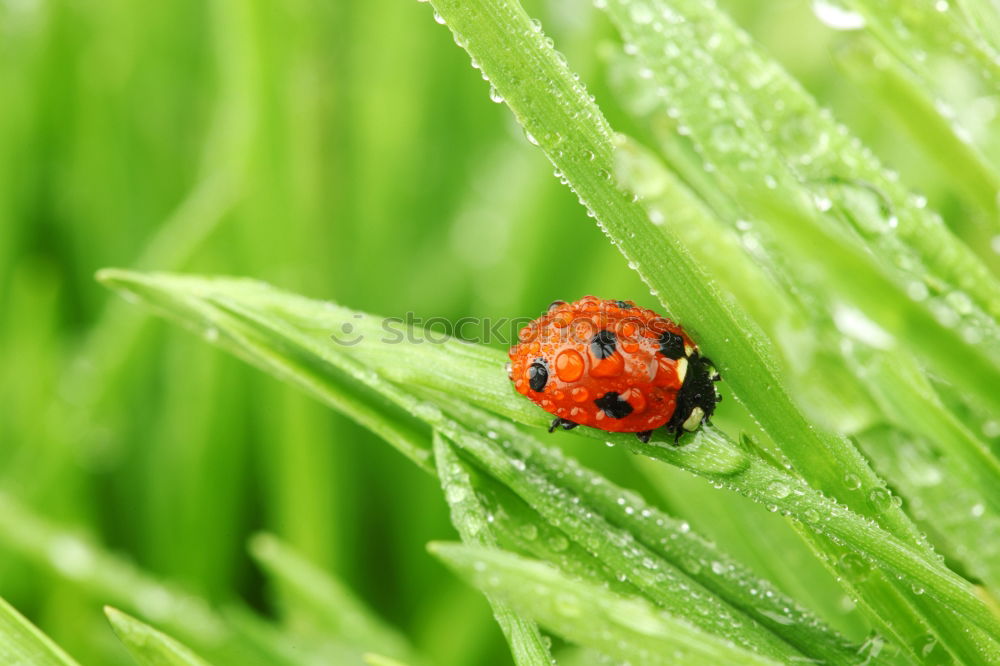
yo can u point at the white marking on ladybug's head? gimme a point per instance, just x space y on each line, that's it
688 350
682 368
693 420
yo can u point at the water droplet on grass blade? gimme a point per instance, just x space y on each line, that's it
879 499
779 489
837 16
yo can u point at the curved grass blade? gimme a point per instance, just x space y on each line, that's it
320 606
664 584
148 646
22 644
469 517
894 88
914 29
621 627
79 562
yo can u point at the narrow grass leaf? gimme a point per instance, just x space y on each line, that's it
372 659
470 518
369 408
895 88
22 644
79 562
148 646
914 30
328 609
625 628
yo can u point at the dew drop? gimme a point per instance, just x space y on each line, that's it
879 499
455 494
836 16
641 13
779 489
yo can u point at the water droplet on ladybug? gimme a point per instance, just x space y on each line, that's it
569 365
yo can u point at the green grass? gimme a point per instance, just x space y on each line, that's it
839 266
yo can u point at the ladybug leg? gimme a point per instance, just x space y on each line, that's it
677 436
644 436
565 424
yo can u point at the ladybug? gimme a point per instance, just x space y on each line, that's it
613 366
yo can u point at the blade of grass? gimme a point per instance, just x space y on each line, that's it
470 519
629 629
77 561
148 646
331 610
753 535
912 30
894 88
22 644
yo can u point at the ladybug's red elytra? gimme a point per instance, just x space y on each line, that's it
613 366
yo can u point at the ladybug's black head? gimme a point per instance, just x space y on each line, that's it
697 398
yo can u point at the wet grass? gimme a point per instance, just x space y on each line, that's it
839 267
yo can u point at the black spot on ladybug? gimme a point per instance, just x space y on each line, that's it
611 403
538 375
603 344
671 345
555 304
624 305
565 424
644 436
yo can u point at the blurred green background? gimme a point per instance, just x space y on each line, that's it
344 150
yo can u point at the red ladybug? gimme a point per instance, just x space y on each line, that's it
613 366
